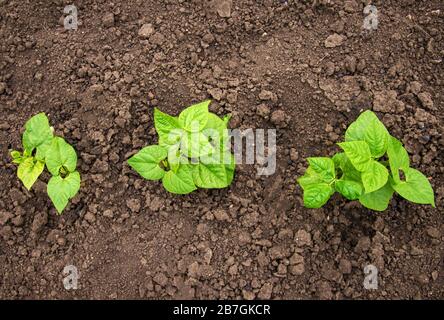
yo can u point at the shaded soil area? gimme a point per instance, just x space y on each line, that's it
307 68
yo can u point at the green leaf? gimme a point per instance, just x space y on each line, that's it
370 129
416 188
216 130
165 123
323 166
398 158
60 154
15 154
17 157
349 172
321 170
375 177
37 132
216 123
316 195
377 137
61 190
195 117
351 190
339 159
377 200
309 178
147 162
180 182
226 119
356 130
195 145
211 176
172 138
42 150
221 157
174 157
29 170
221 148
358 152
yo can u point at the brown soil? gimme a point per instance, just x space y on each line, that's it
269 66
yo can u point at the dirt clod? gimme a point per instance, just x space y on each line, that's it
303 238
263 110
39 222
146 31
266 291
221 215
2 87
279 118
334 40
305 68
223 7
426 100
108 20
386 101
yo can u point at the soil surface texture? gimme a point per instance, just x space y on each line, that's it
307 68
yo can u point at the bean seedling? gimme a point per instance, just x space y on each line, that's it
192 151
372 166
42 148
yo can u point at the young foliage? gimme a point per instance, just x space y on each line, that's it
359 173
192 151
42 148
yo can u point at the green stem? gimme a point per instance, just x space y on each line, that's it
164 163
63 172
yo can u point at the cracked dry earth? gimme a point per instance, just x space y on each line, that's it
306 68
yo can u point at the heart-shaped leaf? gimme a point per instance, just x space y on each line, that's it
316 195
370 129
398 158
165 123
358 152
147 162
61 190
195 117
416 188
375 177
211 176
323 166
180 182
377 200
37 133
60 154
29 171
350 189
